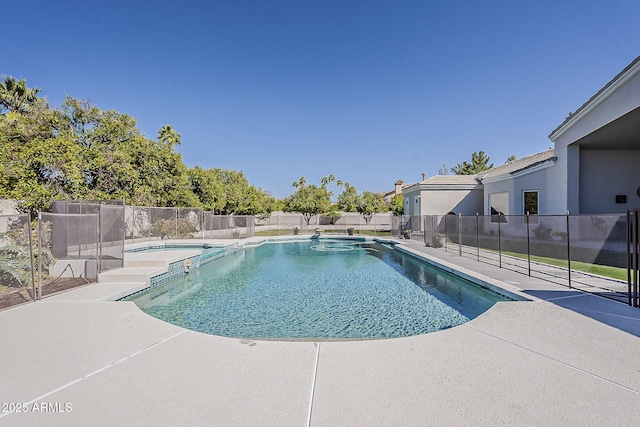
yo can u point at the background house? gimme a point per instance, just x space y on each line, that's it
398 188
443 194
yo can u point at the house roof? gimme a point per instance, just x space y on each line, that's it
392 192
594 98
451 179
518 165
469 182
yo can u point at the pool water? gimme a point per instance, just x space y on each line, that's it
317 290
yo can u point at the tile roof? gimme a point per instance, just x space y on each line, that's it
518 164
451 179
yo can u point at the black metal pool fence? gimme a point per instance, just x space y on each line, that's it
78 240
546 246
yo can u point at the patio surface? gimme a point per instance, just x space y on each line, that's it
564 358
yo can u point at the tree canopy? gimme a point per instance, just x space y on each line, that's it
309 200
371 203
479 163
79 151
348 199
366 203
397 204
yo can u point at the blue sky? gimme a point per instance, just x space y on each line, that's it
369 91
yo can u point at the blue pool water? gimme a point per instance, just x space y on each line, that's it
317 289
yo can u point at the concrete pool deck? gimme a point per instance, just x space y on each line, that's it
565 358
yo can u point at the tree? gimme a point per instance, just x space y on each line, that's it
479 163
444 170
256 202
397 204
331 179
300 183
168 135
38 162
349 199
371 203
79 151
309 200
119 162
207 186
511 158
16 97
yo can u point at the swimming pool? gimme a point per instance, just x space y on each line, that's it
318 290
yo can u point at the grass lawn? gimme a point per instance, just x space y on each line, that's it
601 270
362 232
274 232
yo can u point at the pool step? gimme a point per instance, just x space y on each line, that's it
131 274
158 259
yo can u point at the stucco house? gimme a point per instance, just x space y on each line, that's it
598 151
442 194
504 189
592 169
397 189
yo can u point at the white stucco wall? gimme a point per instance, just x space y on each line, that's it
620 98
605 174
411 208
441 202
541 180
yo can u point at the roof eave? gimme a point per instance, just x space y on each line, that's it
543 164
613 85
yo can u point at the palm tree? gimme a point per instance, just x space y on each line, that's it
168 135
15 96
301 183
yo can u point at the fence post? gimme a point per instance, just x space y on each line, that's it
478 236
528 247
445 233
98 244
459 234
499 243
635 257
628 260
33 273
568 250
39 296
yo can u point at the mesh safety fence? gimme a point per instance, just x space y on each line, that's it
112 227
412 227
68 251
16 260
228 226
347 223
545 246
189 223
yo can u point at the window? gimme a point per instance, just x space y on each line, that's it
530 205
499 206
530 199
